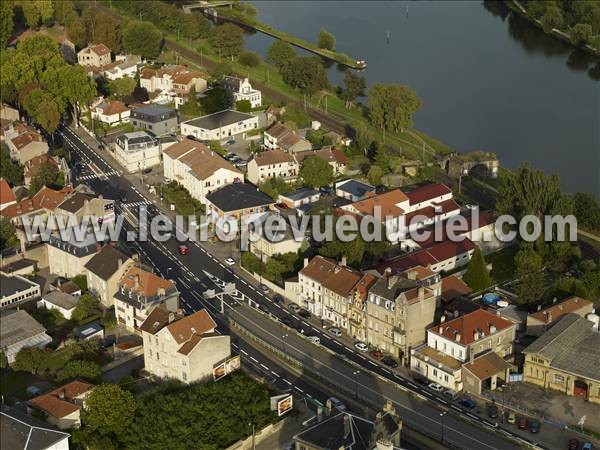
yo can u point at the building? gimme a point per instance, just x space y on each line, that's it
21 266
236 201
299 197
16 290
94 56
137 151
60 301
357 307
543 319
354 190
20 431
79 206
453 287
220 126
281 136
198 169
111 112
184 348
103 272
125 66
285 240
8 113
7 196
62 405
68 258
333 156
24 142
19 330
485 372
242 90
157 119
399 309
272 164
33 166
172 83
139 291
566 358
92 330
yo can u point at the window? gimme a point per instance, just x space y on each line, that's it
558 378
184 376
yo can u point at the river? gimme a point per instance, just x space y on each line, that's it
487 79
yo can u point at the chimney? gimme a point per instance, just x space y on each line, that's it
492 328
329 407
498 313
136 282
391 281
346 426
560 307
120 262
305 262
539 307
442 319
576 300
441 329
475 335
388 271
550 317
411 274
457 337
344 261
61 394
421 292
554 300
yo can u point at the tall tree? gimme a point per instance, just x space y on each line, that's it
477 275
280 53
64 12
6 22
531 280
103 29
108 411
587 210
227 40
581 33
31 359
8 234
45 176
316 172
77 32
553 18
142 38
37 12
9 169
87 305
305 73
354 85
391 106
121 87
326 40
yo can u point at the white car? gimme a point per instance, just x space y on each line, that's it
314 339
229 261
335 331
295 308
361 346
435 387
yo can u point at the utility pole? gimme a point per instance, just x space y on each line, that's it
304 102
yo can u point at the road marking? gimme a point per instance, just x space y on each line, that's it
287 381
298 389
264 367
274 373
253 359
244 352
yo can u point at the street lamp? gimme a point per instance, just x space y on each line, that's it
169 271
356 372
283 337
442 421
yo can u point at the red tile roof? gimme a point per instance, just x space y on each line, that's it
198 323
144 283
453 287
430 211
428 192
464 328
6 193
387 202
110 107
100 49
46 198
556 311
59 402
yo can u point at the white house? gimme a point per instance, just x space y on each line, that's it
15 289
281 136
299 197
242 90
60 301
111 112
126 66
272 164
137 151
220 126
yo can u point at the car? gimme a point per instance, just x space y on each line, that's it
450 394
263 288
230 142
435 387
389 361
288 321
108 341
147 170
277 299
573 444
282 205
304 313
229 261
522 423
335 331
534 426
337 404
325 190
183 249
361 346
586 446
492 411
229 155
377 354
467 403
123 199
241 163
421 380
314 339
511 417
294 307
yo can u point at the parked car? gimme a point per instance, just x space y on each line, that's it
294 307
534 426
511 417
263 288
586 446
183 249
335 331
450 394
147 170
229 261
304 313
421 380
277 299
377 354
288 321
337 404
573 444
389 361
314 339
230 142
492 411
522 423
467 403
435 387
108 341
325 190
361 346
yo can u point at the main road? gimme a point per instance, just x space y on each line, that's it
346 368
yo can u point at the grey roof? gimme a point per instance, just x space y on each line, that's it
11 284
154 113
232 83
61 299
572 345
74 246
19 431
88 329
75 202
300 194
237 196
18 265
136 137
17 326
106 262
399 285
219 119
356 188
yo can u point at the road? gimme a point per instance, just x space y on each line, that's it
200 270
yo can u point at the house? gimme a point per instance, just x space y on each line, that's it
451 344
453 287
7 196
183 348
9 113
566 358
34 165
337 139
281 136
21 266
111 112
126 66
67 286
242 90
220 126
103 272
62 302
16 290
80 205
137 151
299 197
68 257
138 292
543 319
354 190
62 405
92 330
235 201
20 431
172 83
18 330
484 372
94 55
198 169
24 142
333 156
285 239
357 307
157 119
272 164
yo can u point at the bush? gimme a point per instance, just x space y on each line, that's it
250 59
252 263
80 369
31 359
81 281
243 106
477 276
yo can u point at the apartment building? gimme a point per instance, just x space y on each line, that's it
137 151
157 119
281 136
357 307
16 290
68 257
183 348
243 90
24 142
272 164
78 206
104 271
97 55
220 126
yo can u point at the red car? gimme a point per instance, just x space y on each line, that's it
522 423
573 444
376 354
183 249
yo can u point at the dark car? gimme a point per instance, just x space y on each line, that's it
492 411
108 341
277 299
534 426
573 444
422 381
304 313
467 403
389 361
288 321
522 423
147 170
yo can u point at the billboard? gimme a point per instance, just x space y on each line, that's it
226 367
282 403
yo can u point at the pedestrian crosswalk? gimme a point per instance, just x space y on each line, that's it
94 176
137 204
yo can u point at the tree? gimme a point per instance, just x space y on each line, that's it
9 169
8 234
31 359
191 107
252 263
81 282
243 106
531 281
46 176
280 53
316 172
587 210
64 12
77 32
6 23
80 369
274 270
326 40
221 69
108 411
121 87
215 100
477 275
87 305
37 12
391 106
250 59
227 40
305 73
142 38
553 18
375 175
273 187
354 85
581 33
103 28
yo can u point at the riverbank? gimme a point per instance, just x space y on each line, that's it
517 8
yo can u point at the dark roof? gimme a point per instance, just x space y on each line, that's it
106 262
219 119
18 265
75 202
237 196
154 113
20 431
300 194
399 285
88 329
356 188
11 284
61 299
